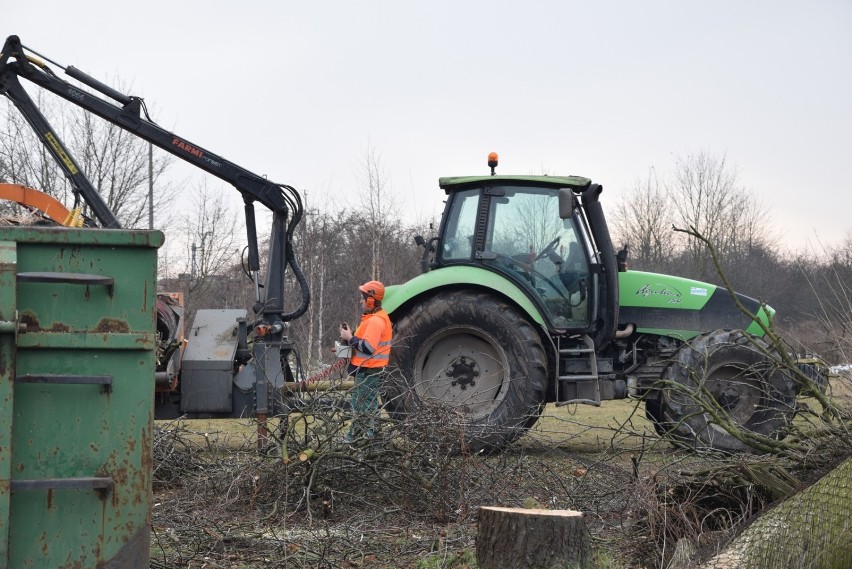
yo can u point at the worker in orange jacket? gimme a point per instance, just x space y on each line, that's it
371 345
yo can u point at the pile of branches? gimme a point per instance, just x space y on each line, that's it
309 500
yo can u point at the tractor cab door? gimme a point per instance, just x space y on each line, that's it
518 231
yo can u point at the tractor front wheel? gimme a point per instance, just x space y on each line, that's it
477 358
721 390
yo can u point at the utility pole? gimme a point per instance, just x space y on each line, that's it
150 186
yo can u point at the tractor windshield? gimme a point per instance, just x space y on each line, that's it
526 238
523 237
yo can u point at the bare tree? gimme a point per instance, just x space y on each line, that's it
115 161
378 206
313 242
643 222
23 158
706 195
211 234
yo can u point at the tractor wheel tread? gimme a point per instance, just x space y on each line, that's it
506 331
763 398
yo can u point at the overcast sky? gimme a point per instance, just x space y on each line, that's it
299 90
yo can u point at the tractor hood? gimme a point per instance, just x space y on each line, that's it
673 306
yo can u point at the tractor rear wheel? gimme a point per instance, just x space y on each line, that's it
475 356
728 374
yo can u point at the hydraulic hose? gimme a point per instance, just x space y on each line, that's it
303 285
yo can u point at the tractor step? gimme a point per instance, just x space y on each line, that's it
578 377
576 351
584 386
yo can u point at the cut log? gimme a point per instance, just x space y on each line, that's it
525 539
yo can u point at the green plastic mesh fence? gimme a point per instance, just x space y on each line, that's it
810 530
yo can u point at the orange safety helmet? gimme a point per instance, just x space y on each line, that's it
374 289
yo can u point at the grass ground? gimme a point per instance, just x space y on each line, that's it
582 428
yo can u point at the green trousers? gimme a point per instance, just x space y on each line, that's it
365 402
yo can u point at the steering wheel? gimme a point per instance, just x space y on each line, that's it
550 248
532 274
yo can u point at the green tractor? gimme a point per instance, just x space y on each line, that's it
524 301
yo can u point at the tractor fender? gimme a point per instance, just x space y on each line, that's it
399 297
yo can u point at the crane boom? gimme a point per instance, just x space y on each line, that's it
127 112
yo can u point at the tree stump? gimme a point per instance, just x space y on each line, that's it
525 539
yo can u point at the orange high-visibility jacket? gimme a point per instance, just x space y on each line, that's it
371 343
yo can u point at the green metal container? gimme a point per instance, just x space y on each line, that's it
77 360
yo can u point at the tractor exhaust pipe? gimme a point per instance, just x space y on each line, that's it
600 231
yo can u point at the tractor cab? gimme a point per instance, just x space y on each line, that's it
531 230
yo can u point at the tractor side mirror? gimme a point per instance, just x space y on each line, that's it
566 203
428 249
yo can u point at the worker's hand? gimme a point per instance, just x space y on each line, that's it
345 332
